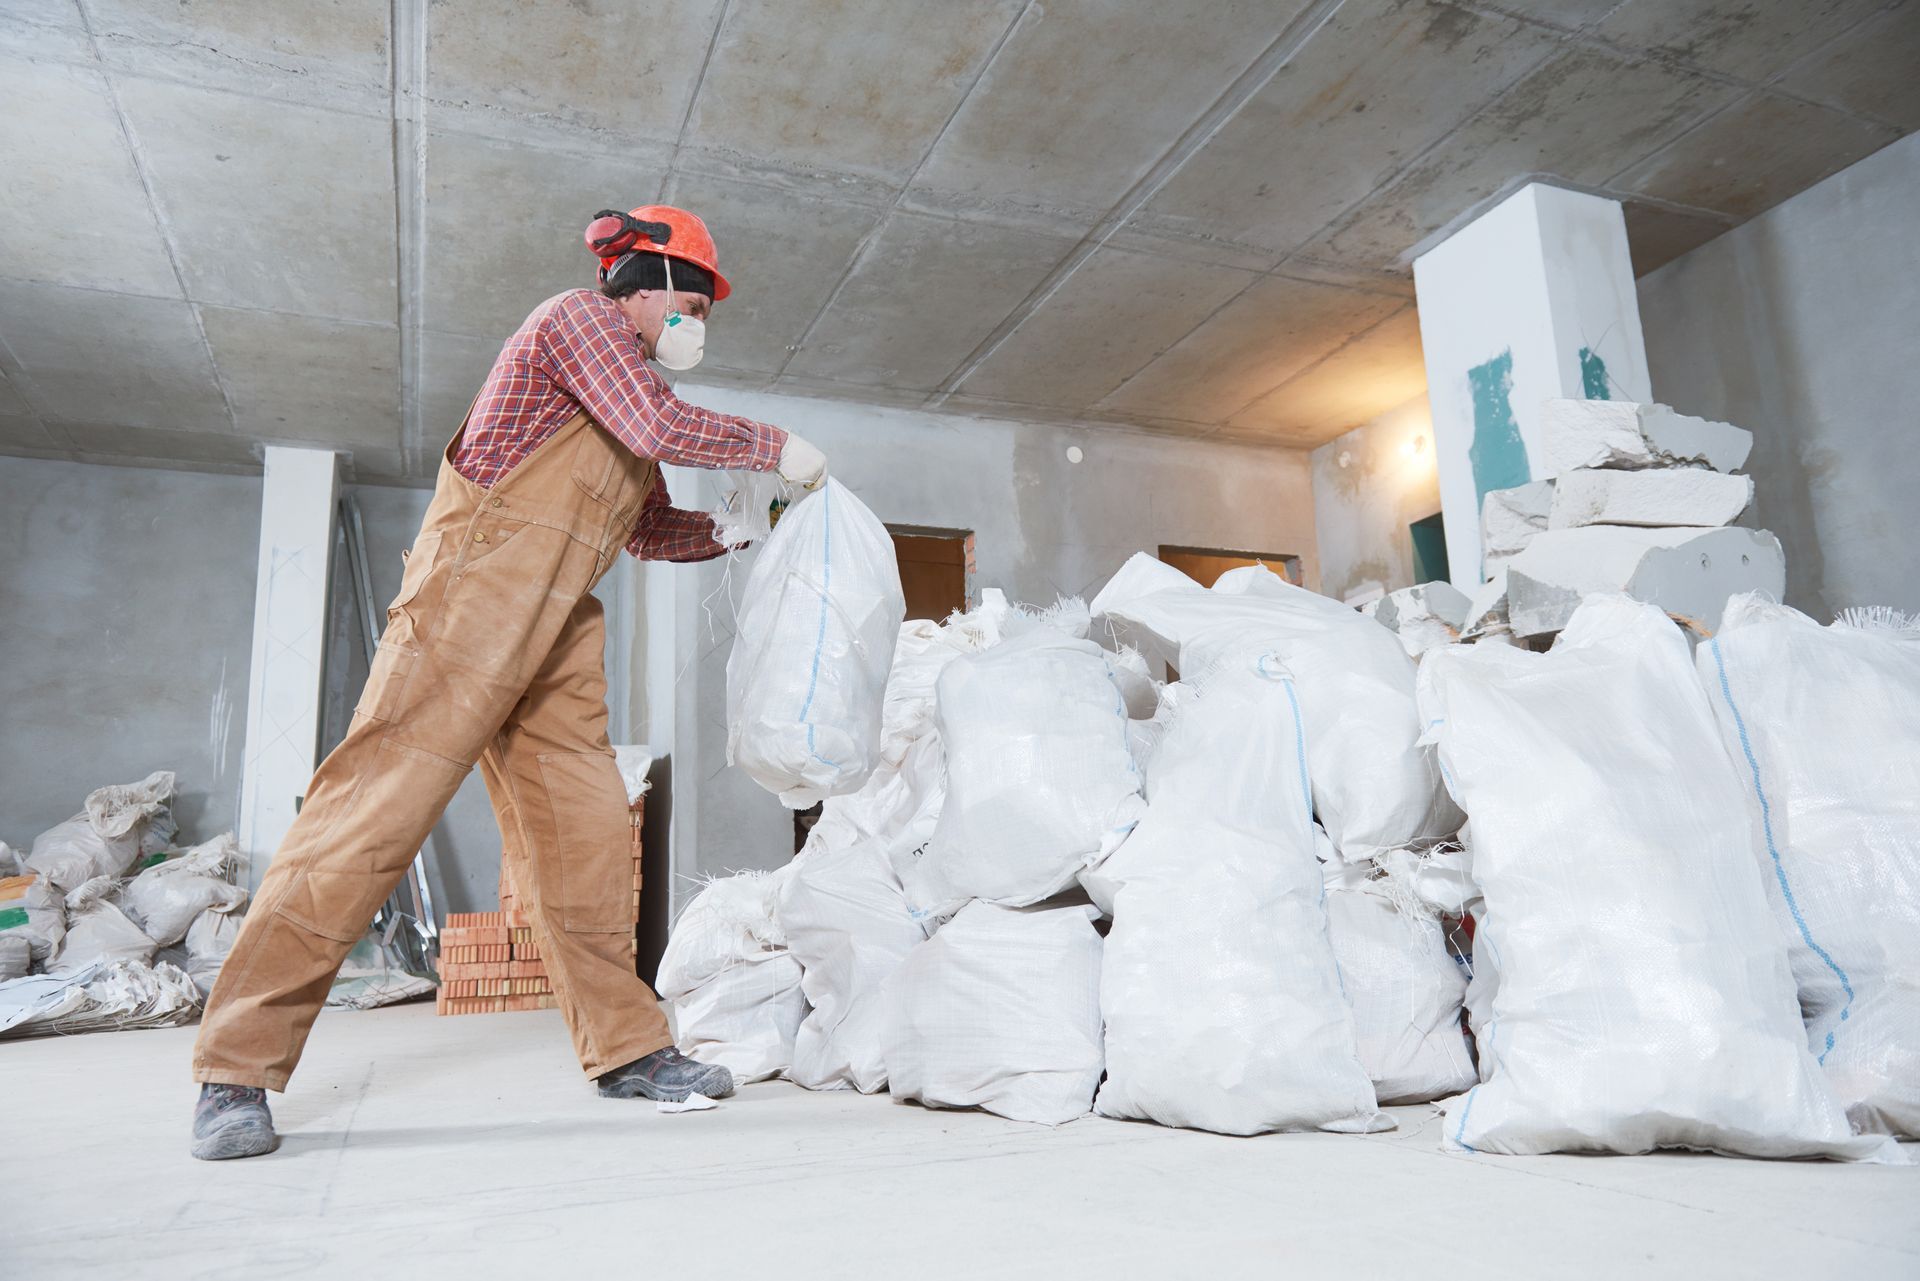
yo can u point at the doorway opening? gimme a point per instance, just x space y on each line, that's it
936 573
1205 564
1429 550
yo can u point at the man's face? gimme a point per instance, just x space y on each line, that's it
650 314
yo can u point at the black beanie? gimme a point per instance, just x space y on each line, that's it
638 271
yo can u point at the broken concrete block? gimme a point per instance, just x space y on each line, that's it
1621 434
1487 612
1690 573
1657 499
1509 518
1423 617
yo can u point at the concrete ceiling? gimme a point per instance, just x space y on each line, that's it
234 221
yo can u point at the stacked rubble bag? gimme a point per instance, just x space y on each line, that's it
105 924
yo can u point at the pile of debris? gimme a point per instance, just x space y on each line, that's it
107 924
1240 901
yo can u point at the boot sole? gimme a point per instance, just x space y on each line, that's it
642 1090
232 1142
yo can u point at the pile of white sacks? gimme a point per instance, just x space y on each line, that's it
1063 887
105 923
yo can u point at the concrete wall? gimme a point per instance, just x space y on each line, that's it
1361 510
1044 527
127 598
1800 326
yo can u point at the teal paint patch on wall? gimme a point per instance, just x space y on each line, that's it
1498 455
1593 375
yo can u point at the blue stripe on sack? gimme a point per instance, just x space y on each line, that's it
1300 748
1493 1030
1773 850
820 637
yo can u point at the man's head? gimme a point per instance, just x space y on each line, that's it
659 264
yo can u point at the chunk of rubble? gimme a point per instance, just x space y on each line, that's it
1509 518
1487 611
1656 499
1690 573
1622 434
1424 617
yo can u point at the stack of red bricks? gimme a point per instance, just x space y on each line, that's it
489 962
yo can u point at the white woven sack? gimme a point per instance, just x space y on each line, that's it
165 899
1824 727
1405 992
812 649
1375 787
1644 996
119 824
1040 776
731 989
847 922
1000 1010
1219 990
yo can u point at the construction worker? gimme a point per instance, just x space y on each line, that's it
493 653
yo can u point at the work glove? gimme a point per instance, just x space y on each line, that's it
801 464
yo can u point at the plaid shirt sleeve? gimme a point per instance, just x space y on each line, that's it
666 532
592 353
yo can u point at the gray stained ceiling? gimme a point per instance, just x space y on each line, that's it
236 221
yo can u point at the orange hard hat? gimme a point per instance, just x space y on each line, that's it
660 229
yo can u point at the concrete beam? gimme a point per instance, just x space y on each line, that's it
1603 433
1661 498
1690 573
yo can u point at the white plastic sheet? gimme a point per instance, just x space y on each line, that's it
1000 1010
1219 989
1644 997
1375 787
1823 724
812 650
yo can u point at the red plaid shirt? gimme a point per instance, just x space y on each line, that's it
578 351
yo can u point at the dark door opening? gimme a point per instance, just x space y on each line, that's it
1429 550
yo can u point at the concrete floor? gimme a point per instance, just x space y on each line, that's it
469 1147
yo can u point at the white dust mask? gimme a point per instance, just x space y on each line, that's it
683 338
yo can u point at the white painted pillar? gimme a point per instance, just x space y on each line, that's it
1533 300
297 510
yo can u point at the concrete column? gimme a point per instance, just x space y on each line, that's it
1532 300
297 510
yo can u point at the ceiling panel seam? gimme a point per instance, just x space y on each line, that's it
407 42
159 214
669 185
865 247
1284 48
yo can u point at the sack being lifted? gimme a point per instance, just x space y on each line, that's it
1823 724
1644 998
814 643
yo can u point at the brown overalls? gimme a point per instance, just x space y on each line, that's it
494 652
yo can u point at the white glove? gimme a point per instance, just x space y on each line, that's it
801 464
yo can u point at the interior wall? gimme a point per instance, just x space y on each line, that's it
127 600
1361 510
1044 527
1800 327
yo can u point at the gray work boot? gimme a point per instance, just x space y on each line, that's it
667 1076
232 1121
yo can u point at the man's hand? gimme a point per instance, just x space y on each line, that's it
801 464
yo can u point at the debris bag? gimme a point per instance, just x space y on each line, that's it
165 899
812 650
1823 724
16 955
98 932
1375 786
1405 991
118 825
1040 775
209 939
731 988
1000 1010
848 923
32 909
1644 996
1218 985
